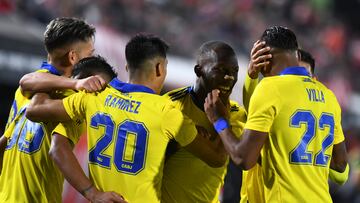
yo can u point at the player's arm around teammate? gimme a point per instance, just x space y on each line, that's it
35 82
32 83
61 148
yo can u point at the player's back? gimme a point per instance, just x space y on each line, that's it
306 124
129 128
186 177
28 174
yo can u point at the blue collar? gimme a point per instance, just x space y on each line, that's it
295 70
50 68
126 87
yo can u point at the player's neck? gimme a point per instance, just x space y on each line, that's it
64 70
200 93
280 65
150 84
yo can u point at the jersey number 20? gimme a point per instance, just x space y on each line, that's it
128 157
300 155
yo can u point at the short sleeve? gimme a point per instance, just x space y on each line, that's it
179 127
264 105
71 130
248 89
75 105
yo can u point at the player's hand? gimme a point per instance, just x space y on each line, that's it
259 58
96 196
90 84
214 107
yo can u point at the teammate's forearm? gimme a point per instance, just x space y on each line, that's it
246 151
41 109
45 82
64 158
231 142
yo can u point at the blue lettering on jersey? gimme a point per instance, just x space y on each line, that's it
128 105
315 95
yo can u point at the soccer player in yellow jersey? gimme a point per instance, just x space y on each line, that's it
186 177
295 120
67 134
252 183
28 174
129 126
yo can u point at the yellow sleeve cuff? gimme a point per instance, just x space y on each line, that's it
339 178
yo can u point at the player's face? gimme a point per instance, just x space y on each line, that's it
84 49
221 74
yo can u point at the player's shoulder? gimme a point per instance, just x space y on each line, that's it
178 94
235 106
237 111
269 84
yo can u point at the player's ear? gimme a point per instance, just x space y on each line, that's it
198 70
126 68
160 67
298 55
73 57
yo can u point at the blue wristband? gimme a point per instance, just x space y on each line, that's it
220 125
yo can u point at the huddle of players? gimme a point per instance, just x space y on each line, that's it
129 125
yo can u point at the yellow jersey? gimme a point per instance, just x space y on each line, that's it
303 119
128 128
72 130
252 186
28 174
186 177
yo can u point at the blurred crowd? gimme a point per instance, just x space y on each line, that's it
328 29
185 24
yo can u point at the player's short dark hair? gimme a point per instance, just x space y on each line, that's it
220 47
90 66
308 58
63 31
280 37
143 47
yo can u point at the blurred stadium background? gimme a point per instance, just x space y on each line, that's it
329 29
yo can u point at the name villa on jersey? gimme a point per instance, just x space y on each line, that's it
128 105
315 95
